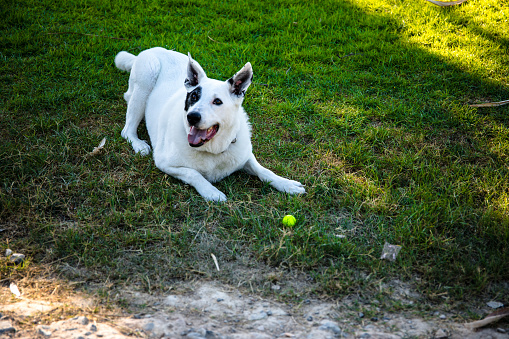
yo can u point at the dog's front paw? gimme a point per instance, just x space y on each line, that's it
213 194
289 186
141 147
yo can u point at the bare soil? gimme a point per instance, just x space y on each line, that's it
211 309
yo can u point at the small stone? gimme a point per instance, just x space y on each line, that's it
269 313
275 287
148 327
361 315
330 326
81 320
307 301
219 300
6 327
44 332
374 319
441 334
501 330
17 258
93 328
443 316
258 316
8 252
310 318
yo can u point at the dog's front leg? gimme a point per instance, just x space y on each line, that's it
281 184
195 179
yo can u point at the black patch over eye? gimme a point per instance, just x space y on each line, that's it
217 102
192 98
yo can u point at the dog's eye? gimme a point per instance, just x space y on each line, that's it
217 101
194 96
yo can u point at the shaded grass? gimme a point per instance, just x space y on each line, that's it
364 103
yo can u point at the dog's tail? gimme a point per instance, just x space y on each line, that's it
124 61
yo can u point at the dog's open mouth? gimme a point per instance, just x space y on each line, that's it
197 137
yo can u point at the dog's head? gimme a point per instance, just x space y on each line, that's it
213 107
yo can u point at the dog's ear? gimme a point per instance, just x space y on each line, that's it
241 80
194 73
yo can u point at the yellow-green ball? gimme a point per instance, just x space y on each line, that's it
289 220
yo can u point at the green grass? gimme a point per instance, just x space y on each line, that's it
364 102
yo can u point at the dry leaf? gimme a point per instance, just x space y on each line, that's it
97 149
491 104
491 318
446 3
215 261
14 289
495 304
390 252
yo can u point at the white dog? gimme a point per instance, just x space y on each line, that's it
198 129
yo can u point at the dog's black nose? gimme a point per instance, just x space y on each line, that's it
193 118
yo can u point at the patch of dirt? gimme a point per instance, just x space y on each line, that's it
207 309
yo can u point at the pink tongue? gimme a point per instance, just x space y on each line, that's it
196 135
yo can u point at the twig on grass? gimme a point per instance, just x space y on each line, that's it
95 35
219 42
446 3
491 318
350 54
491 104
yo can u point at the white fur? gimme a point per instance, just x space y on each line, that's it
158 85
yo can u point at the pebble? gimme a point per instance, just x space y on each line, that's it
81 320
330 326
443 316
310 318
258 316
8 252
43 331
501 330
17 258
441 334
361 315
148 327
6 327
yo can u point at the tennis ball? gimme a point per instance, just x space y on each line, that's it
289 220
